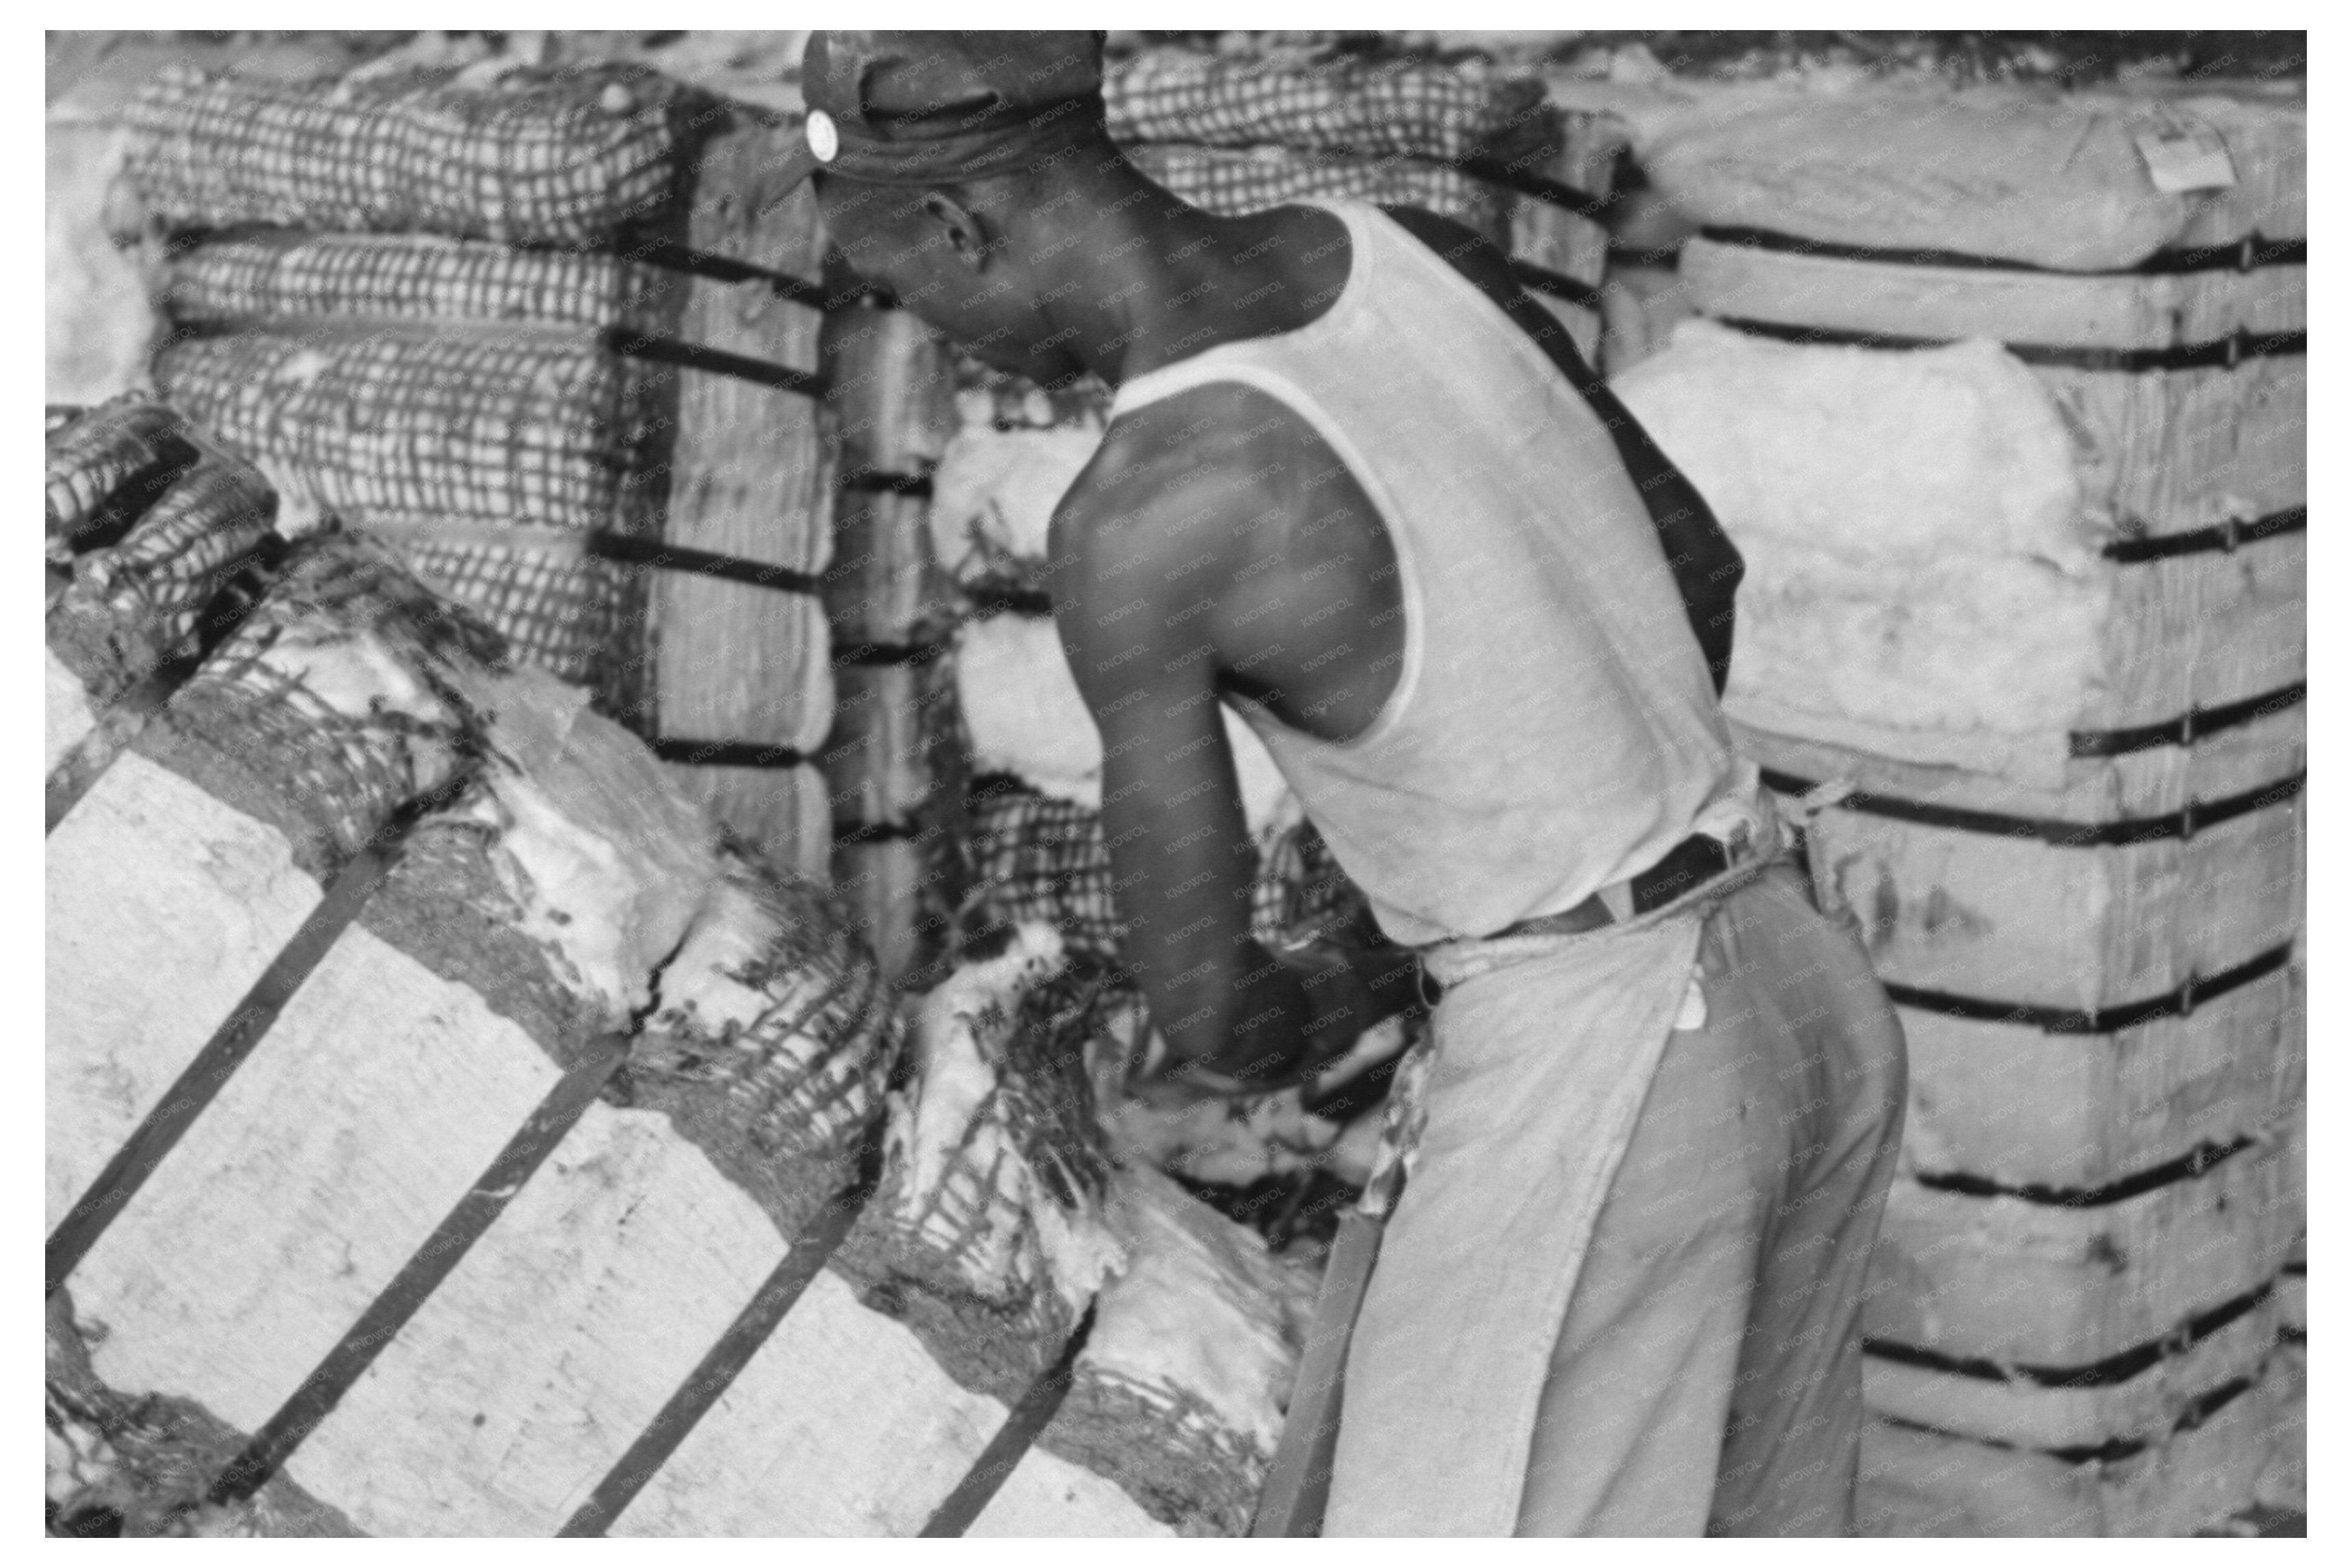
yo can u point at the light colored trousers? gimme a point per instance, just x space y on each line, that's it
1621 1292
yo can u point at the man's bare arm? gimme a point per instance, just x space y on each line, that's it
1143 544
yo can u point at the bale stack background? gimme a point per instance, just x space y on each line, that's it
2084 889
551 332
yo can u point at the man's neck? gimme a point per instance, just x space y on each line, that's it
1137 286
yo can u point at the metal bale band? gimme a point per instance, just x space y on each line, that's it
1023 1424
694 357
2192 993
2246 254
2220 353
670 255
2057 832
728 753
2225 537
2195 1414
869 654
2188 729
995 599
2105 1373
878 832
2193 1164
1576 291
872 482
701 563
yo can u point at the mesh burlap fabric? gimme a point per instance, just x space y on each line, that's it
334 763
516 429
1423 111
565 614
522 429
1033 857
91 454
782 1101
541 157
131 1465
191 516
402 276
1233 182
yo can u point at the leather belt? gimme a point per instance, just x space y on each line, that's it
1680 869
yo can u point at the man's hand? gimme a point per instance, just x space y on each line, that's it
1345 992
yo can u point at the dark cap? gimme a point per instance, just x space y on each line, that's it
918 108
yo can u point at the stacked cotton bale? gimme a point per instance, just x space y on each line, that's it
448 1133
1482 148
549 332
2002 397
895 760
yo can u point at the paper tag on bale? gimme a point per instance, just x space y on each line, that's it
2186 158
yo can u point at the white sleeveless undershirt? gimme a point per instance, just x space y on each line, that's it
1553 728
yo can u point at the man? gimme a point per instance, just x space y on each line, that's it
1346 492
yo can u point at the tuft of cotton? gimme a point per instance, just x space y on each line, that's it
1884 459
1022 710
609 863
993 494
1920 559
1022 714
1200 1307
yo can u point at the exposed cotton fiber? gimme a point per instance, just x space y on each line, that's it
1023 715
1022 709
616 861
100 327
1200 1308
1879 457
1919 558
2009 646
946 1125
994 494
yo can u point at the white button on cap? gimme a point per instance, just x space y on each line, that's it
823 136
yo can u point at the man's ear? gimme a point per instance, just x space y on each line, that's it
971 236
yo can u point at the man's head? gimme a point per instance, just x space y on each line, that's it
950 163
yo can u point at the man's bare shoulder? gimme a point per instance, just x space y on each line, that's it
1176 484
